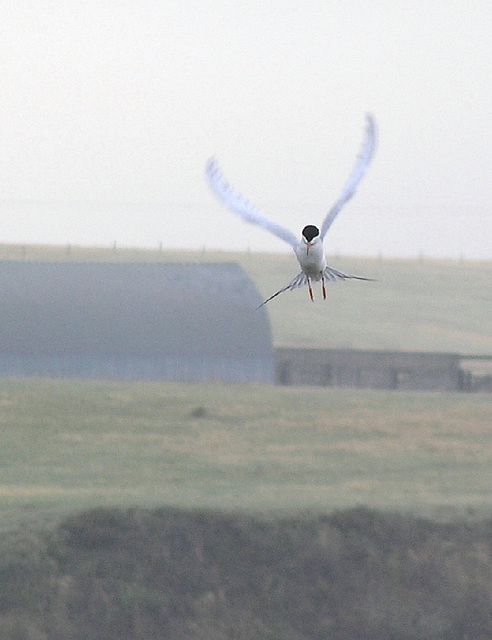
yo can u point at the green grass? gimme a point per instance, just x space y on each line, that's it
413 305
66 445
71 444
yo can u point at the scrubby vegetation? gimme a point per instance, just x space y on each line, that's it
172 574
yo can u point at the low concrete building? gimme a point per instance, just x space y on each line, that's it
133 321
369 369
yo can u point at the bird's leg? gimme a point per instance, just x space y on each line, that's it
323 285
310 290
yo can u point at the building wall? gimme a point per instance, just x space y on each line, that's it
368 369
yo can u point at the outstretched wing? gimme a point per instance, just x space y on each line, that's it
240 205
363 160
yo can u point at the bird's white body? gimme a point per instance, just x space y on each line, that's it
309 249
311 257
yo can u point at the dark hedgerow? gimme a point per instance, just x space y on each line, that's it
197 575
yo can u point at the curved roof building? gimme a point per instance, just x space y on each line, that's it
133 321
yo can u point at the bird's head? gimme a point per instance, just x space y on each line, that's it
310 235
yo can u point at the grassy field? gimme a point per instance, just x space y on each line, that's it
66 445
413 305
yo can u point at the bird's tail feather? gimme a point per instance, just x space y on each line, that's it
332 274
301 280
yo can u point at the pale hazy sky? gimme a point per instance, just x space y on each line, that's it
117 105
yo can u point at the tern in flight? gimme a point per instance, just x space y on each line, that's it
309 250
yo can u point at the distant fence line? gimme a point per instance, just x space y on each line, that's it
26 251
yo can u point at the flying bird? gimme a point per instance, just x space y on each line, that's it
309 249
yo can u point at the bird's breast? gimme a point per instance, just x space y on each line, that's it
311 259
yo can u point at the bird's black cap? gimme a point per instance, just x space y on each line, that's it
310 232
